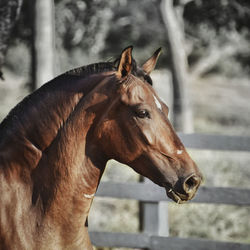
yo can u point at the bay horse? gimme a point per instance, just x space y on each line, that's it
55 144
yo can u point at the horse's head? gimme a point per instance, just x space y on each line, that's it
135 130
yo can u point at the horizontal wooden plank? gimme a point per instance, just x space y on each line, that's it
105 239
159 243
216 142
153 193
221 195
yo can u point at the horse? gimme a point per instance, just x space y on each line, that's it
54 146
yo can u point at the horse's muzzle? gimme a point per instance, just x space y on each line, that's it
185 189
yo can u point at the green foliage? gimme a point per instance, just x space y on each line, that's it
212 26
104 26
89 30
222 14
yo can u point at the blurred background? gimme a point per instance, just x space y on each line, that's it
202 74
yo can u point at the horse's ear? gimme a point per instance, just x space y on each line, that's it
149 65
125 63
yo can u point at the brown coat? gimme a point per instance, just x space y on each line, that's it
55 144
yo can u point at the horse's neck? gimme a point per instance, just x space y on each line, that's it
35 122
64 173
66 180
75 168
64 168
67 167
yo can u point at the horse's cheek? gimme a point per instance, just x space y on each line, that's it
110 138
149 136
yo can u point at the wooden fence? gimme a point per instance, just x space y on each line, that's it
155 194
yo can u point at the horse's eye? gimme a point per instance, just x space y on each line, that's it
143 113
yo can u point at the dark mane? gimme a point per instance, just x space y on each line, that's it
105 67
92 69
33 98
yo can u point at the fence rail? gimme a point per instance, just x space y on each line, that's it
216 142
160 243
152 194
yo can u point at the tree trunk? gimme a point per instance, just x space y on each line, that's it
43 42
182 119
9 13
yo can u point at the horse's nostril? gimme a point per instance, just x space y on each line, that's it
191 183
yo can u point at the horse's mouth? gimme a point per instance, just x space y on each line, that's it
175 196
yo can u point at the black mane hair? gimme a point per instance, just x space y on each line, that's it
92 69
108 66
